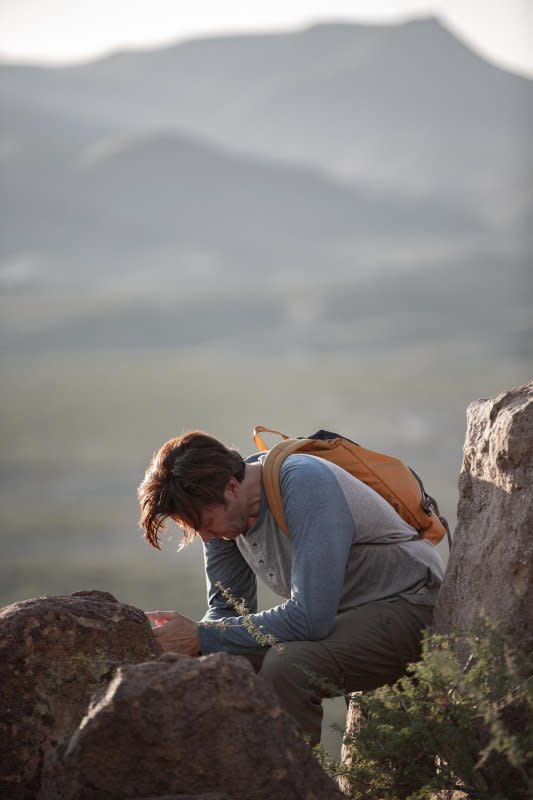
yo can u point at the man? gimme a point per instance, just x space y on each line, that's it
359 583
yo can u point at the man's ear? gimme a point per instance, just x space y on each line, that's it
233 487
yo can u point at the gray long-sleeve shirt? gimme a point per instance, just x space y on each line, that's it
347 547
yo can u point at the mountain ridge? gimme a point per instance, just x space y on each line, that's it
332 171
360 102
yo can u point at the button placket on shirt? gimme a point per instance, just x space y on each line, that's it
257 553
261 560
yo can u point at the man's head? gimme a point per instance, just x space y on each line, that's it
188 476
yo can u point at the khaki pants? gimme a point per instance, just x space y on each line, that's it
368 647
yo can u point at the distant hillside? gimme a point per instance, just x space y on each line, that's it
356 167
164 204
406 106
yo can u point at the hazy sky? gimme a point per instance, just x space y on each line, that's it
66 30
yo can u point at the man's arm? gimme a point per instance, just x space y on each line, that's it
322 529
225 566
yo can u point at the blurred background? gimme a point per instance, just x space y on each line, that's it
314 216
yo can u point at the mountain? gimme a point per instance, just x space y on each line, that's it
369 166
407 106
169 205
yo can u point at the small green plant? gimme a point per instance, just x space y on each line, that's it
263 639
454 723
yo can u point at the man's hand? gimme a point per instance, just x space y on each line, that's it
175 633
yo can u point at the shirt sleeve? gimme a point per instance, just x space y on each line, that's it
225 565
322 530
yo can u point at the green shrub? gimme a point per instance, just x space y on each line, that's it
460 723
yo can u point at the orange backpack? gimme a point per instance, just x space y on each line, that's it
390 477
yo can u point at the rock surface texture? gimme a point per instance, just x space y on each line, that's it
491 563
210 796
184 725
55 652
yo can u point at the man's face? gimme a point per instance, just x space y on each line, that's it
224 521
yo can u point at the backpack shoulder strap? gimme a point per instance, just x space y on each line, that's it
271 468
272 465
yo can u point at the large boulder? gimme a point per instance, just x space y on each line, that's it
55 652
490 570
185 725
209 796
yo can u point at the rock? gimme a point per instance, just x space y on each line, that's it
354 721
55 652
186 725
490 569
210 796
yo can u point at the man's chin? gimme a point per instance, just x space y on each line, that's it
230 535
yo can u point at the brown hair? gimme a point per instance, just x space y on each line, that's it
186 474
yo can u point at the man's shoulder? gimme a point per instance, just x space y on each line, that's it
311 490
303 462
301 469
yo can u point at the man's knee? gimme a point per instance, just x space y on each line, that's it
299 664
276 666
